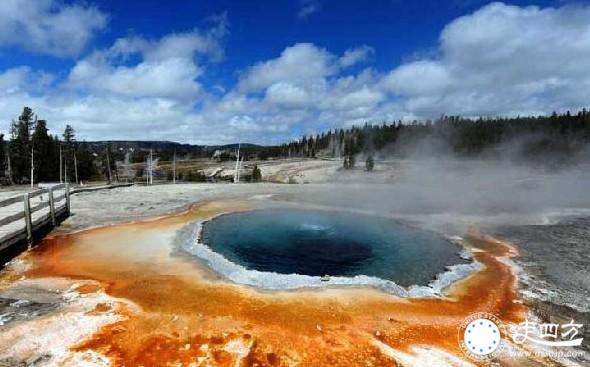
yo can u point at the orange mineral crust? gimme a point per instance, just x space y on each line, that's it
187 316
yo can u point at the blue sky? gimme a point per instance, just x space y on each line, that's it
266 71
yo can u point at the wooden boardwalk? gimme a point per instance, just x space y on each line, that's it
100 187
24 215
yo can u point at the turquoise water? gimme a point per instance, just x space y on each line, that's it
316 243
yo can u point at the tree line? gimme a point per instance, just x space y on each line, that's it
529 137
33 154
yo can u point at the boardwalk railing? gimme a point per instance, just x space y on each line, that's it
23 220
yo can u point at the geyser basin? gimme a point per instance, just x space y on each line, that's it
316 243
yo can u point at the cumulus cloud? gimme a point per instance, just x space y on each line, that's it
287 95
502 59
176 45
168 67
171 77
300 64
499 60
308 7
356 55
304 87
420 78
49 26
23 78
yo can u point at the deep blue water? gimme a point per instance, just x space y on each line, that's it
317 243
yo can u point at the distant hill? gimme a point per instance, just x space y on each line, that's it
139 148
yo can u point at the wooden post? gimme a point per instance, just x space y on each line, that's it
9 168
68 198
51 206
109 164
28 219
32 167
76 168
61 180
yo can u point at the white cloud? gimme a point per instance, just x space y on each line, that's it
176 45
49 26
502 59
308 7
168 68
171 77
419 78
300 64
21 78
304 86
361 98
287 95
356 55
499 60
300 88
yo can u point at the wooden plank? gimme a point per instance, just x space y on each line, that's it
10 201
11 218
40 222
97 188
59 198
11 238
40 206
48 186
60 210
37 193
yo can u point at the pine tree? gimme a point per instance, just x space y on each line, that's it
46 161
351 161
68 151
20 145
370 163
69 136
86 167
2 157
256 174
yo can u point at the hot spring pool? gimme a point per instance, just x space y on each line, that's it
261 246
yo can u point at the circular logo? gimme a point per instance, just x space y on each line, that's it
480 335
